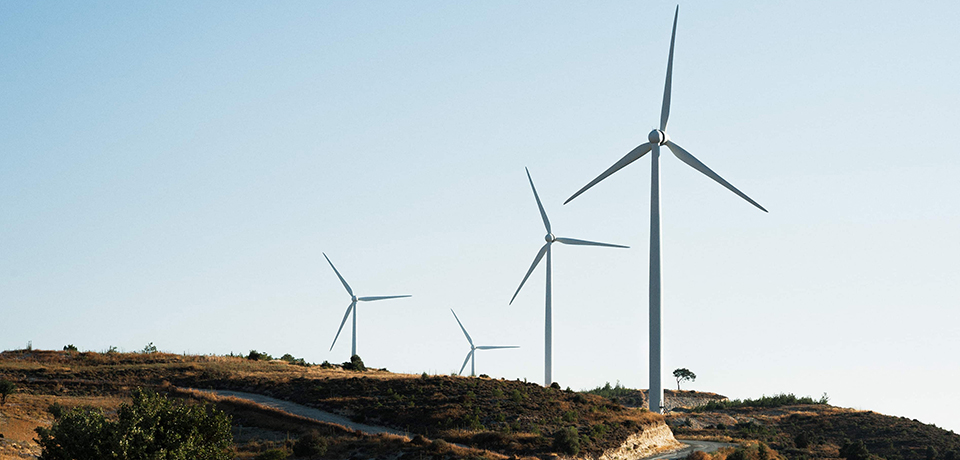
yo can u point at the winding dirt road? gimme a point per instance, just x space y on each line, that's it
304 411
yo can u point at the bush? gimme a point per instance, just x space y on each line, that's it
440 446
257 356
292 360
802 440
6 388
310 444
152 426
854 451
567 441
70 348
326 365
555 386
149 349
56 410
355 364
272 454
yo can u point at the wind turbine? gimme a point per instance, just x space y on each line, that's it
473 348
656 138
353 307
548 327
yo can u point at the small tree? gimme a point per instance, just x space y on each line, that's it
567 441
683 374
6 388
149 349
70 347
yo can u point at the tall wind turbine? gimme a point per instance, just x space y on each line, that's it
473 348
656 138
353 307
548 326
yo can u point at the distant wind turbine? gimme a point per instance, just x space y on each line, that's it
473 348
656 138
548 327
353 307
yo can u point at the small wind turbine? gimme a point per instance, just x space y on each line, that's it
353 307
473 348
548 327
656 138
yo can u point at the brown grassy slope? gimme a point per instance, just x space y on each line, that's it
827 428
510 417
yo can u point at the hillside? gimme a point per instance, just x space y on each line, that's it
500 417
811 430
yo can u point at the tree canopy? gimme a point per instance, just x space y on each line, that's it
683 374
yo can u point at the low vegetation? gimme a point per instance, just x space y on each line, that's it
151 426
767 402
454 416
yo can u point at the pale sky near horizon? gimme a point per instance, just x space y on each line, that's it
171 173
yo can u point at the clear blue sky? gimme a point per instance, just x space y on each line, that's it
171 172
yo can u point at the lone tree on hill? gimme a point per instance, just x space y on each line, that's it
683 374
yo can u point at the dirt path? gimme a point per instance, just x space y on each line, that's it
690 446
304 411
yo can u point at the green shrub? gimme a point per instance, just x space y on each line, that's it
355 364
7 388
802 440
854 451
56 410
149 349
569 416
152 426
440 446
567 441
70 347
326 365
310 444
257 356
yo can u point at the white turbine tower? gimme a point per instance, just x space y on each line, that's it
548 326
473 348
656 138
353 307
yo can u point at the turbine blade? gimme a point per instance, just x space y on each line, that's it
345 316
689 159
465 362
381 297
665 111
338 275
462 328
634 154
543 214
588 243
493 348
540 254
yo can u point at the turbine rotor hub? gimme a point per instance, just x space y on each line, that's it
353 298
550 238
658 137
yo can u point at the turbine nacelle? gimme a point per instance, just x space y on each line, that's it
658 137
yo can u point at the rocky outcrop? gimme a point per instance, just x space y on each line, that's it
650 440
